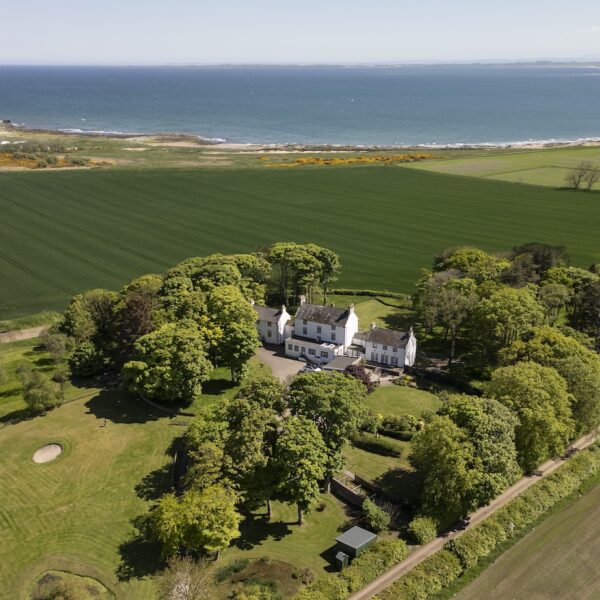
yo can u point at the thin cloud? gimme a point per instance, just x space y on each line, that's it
592 29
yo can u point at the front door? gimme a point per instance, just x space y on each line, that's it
374 356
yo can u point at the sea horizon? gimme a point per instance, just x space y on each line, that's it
408 105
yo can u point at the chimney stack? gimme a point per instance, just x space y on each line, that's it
252 302
302 299
373 325
351 309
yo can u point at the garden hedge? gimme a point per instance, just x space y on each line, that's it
438 571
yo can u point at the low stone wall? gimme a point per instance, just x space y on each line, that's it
346 494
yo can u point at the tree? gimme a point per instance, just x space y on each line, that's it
61 589
362 375
298 268
301 459
329 266
204 442
538 396
249 448
86 360
499 320
234 316
545 256
444 456
490 427
56 344
335 403
40 394
266 391
238 345
472 263
578 175
591 177
554 298
136 312
196 520
169 364
185 579
90 317
576 364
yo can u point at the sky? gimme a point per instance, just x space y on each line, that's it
159 32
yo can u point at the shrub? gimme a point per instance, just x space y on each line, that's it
360 373
399 424
61 589
378 445
235 566
377 518
423 529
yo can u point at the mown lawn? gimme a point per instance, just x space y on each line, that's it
64 232
396 400
75 513
557 560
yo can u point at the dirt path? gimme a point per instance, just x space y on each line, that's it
423 552
22 334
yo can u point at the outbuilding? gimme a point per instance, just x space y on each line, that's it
354 541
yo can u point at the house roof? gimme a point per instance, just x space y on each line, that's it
356 538
266 313
328 315
340 363
388 337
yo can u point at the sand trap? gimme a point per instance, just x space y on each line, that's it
47 453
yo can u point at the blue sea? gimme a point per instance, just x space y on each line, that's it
409 105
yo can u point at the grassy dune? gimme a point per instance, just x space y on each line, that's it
63 232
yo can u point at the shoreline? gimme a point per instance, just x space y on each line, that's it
196 140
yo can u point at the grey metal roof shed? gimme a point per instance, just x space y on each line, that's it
355 540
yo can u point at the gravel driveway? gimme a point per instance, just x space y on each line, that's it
281 366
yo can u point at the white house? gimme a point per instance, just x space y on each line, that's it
387 347
322 334
273 324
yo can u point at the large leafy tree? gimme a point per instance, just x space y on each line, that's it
445 458
196 520
472 263
502 318
300 459
204 443
169 364
233 314
249 449
539 398
579 367
90 317
266 391
490 427
335 403
297 266
136 312
329 266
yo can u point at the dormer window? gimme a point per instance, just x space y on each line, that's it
395 349
333 328
268 323
385 347
374 345
304 322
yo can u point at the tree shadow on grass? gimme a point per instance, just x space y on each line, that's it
255 529
159 482
140 556
119 407
329 556
17 416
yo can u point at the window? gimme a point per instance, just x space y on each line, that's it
312 351
395 361
333 336
374 345
304 330
318 329
374 356
395 349
269 323
333 328
385 347
290 346
324 354
296 348
384 359
269 333
304 322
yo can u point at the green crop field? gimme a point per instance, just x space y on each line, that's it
64 232
556 560
546 167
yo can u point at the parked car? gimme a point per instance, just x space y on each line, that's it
310 369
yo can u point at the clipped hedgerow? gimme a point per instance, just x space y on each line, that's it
423 529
